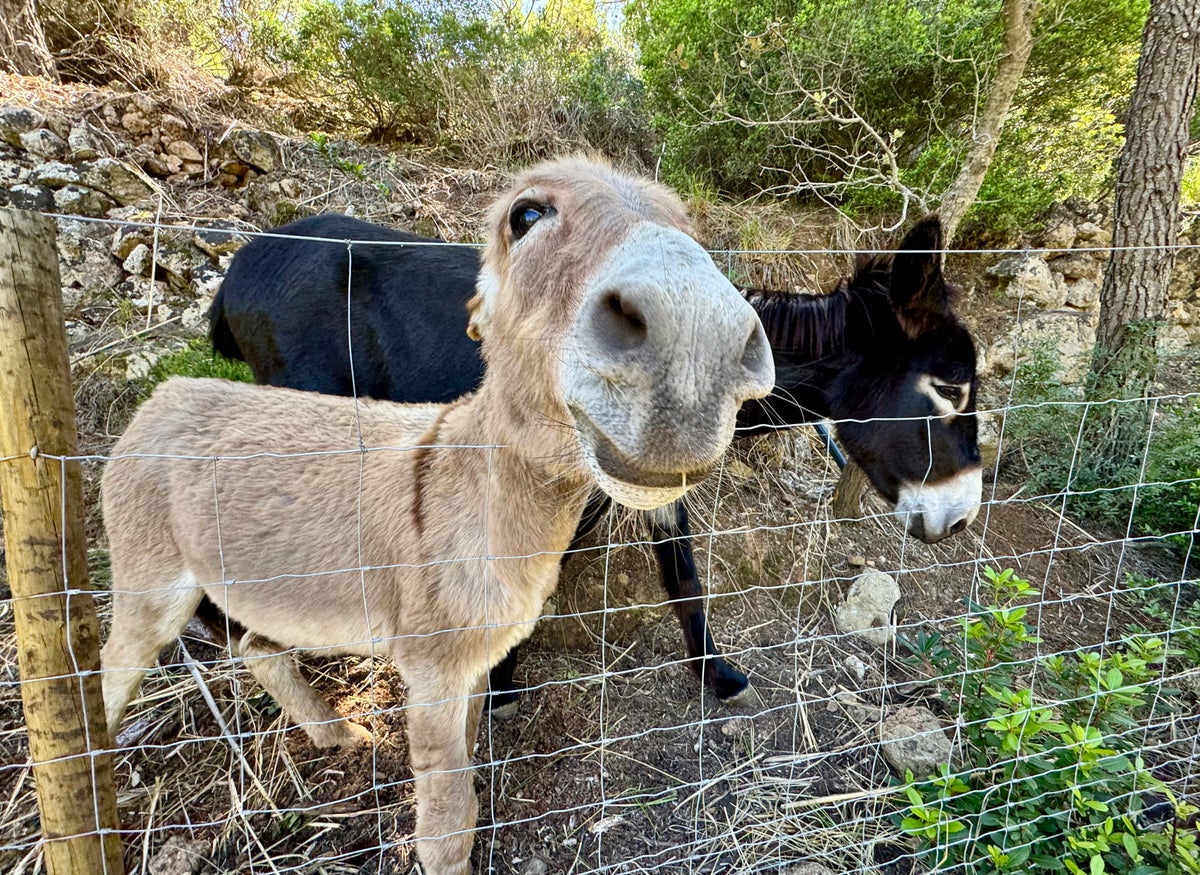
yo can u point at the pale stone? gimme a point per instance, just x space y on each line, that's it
912 739
867 608
80 201
1027 277
18 120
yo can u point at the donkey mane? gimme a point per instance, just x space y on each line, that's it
814 324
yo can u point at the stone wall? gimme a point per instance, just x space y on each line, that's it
1054 291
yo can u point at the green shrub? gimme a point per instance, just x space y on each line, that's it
1043 430
818 99
1172 606
481 85
1044 788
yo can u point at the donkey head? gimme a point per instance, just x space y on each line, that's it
909 368
616 323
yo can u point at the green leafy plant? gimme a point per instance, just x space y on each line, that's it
1049 782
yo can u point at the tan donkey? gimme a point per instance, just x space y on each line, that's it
617 357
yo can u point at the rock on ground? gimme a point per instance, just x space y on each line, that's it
867 608
913 740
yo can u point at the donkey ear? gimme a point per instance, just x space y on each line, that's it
920 295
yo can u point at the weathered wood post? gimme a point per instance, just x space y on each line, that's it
42 498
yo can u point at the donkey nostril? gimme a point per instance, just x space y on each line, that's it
756 355
620 323
958 526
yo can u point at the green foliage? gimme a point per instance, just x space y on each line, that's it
740 88
859 103
1159 494
1190 193
1055 789
197 359
463 78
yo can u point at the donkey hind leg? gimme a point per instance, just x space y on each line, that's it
447 807
669 527
277 671
143 624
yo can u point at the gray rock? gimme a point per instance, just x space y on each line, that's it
140 294
185 151
1093 235
139 260
220 238
912 739
867 608
1068 334
31 197
136 123
206 280
78 200
178 856
535 866
127 237
255 149
1084 294
17 120
117 179
12 172
44 143
1027 277
87 269
806 869
1076 265
195 313
989 437
83 142
54 174
1060 233
174 265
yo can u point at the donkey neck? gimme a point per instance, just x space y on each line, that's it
537 455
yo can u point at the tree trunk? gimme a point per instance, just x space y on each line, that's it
22 42
1133 299
1018 41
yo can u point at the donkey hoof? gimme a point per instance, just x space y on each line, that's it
339 733
356 736
730 684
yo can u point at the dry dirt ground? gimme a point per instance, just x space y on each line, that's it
615 762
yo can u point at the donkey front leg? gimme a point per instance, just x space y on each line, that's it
672 547
439 714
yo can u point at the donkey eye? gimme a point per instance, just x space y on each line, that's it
950 393
524 216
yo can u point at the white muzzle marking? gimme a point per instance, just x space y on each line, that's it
940 506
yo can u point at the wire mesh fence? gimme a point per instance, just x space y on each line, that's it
1016 697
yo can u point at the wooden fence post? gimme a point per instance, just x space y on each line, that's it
57 632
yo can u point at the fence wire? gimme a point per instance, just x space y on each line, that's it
1051 720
